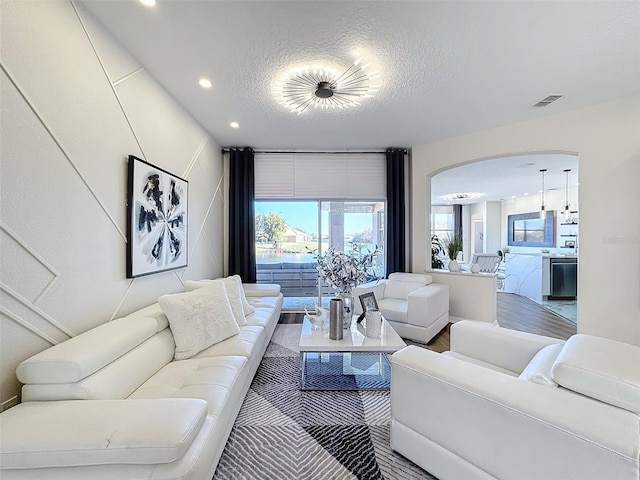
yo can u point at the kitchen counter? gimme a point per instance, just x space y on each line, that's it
529 274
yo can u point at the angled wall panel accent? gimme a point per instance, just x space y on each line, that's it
18 259
66 133
65 83
116 61
169 144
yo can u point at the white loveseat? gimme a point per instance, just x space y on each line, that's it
512 405
113 403
413 305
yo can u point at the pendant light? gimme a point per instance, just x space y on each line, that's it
567 211
543 213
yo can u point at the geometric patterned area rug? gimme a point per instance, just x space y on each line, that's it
284 433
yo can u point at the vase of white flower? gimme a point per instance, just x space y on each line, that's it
347 307
343 271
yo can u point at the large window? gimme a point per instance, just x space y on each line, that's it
309 201
290 233
442 221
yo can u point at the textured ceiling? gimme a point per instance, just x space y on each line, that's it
447 68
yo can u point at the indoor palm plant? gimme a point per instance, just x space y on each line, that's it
453 246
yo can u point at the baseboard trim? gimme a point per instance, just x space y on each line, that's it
7 404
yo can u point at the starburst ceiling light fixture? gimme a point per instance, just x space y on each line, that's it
325 88
451 197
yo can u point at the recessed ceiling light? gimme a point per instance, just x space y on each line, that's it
148 3
234 124
205 83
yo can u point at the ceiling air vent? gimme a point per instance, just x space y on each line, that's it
546 101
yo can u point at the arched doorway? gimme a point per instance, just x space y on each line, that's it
492 191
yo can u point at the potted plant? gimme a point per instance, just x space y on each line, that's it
453 246
436 249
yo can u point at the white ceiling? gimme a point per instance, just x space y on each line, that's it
447 68
503 178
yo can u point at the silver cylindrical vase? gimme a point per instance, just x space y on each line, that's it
335 319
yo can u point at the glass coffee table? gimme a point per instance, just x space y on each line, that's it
356 362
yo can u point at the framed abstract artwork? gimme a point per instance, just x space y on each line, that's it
157 219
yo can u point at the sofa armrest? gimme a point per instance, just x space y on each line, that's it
504 424
96 432
427 304
261 289
375 286
508 349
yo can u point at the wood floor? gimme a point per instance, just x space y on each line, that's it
518 313
514 312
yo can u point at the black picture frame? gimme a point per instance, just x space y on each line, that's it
368 302
157 219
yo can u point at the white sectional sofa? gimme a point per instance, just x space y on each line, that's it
513 405
113 403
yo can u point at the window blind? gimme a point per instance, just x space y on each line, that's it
320 176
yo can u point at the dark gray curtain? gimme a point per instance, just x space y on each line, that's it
242 225
457 219
396 208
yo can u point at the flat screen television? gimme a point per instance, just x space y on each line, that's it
529 230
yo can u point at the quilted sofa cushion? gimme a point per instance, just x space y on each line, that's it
211 379
600 368
248 340
135 434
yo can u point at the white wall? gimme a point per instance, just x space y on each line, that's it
74 106
492 227
607 139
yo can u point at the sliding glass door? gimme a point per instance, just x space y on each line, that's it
290 233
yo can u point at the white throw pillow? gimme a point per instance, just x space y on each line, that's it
239 304
230 288
600 368
199 319
246 306
539 368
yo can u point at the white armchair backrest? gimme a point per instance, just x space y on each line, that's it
400 285
488 262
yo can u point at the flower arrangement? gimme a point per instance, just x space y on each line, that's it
343 271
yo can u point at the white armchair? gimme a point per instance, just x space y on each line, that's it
508 404
413 305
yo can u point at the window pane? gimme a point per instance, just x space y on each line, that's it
287 233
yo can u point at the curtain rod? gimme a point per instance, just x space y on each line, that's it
227 150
